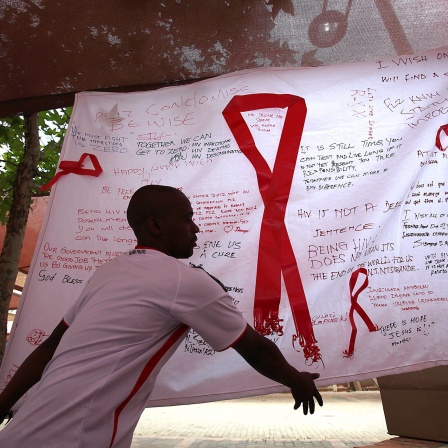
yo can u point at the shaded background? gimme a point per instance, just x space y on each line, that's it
49 50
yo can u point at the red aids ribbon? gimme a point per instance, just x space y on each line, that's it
275 255
67 166
444 129
357 307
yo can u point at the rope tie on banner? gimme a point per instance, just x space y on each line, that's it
75 167
444 129
355 306
275 254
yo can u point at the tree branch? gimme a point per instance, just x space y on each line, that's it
9 162
18 216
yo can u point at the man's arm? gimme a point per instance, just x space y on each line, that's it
265 357
30 372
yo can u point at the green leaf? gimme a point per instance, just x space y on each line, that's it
52 128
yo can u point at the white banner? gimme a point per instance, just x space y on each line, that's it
322 199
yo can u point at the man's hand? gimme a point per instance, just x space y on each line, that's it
306 392
265 357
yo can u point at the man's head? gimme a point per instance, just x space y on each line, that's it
161 217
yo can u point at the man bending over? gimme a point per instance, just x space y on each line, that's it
97 369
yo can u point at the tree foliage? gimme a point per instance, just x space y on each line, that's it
30 148
52 127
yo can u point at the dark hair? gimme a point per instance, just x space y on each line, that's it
148 201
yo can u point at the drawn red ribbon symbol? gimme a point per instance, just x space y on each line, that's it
444 129
275 255
355 306
75 167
